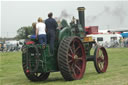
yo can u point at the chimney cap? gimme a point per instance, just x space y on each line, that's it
80 8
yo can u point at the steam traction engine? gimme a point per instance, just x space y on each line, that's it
71 53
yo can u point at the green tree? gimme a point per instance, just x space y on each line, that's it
23 32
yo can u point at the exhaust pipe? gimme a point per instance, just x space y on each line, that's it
81 16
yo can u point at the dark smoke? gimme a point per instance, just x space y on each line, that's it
119 11
91 19
63 15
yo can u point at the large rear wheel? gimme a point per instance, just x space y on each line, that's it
71 58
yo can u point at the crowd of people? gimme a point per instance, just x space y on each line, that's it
123 42
6 47
44 31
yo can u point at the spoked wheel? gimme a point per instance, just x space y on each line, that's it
71 58
30 63
100 59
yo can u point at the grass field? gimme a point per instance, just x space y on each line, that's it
11 72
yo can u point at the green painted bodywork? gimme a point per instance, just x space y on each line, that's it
48 62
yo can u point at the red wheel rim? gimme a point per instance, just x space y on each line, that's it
101 59
76 59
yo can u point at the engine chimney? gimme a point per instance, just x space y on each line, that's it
81 16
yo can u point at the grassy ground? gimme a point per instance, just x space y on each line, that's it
11 72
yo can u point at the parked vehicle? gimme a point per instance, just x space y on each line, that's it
107 40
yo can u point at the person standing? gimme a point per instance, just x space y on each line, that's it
51 26
34 28
33 36
40 32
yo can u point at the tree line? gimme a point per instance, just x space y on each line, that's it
23 32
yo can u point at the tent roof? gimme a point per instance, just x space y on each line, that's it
124 34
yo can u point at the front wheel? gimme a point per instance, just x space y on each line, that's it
100 59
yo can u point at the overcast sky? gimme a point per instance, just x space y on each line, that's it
105 14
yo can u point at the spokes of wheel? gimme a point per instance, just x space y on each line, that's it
101 59
76 59
37 74
76 68
71 56
32 59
